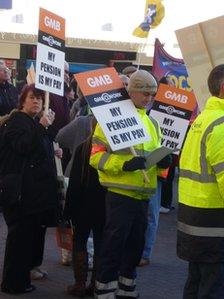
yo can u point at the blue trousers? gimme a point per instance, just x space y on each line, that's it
153 221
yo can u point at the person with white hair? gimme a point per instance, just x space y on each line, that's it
8 92
127 197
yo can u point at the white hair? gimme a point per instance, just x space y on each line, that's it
2 63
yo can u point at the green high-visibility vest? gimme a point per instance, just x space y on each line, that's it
201 181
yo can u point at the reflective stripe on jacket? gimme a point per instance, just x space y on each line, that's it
109 164
201 187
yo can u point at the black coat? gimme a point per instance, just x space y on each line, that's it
8 98
85 199
25 146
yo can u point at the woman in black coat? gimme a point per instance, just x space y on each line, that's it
26 153
85 206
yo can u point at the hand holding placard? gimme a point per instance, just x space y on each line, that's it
135 163
143 171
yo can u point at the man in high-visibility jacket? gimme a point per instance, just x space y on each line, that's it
201 197
127 197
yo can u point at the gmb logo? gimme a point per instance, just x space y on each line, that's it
107 98
51 41
170 110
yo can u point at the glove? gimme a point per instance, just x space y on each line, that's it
165 162
134 164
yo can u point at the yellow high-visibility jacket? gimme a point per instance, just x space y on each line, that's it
109 164
201 187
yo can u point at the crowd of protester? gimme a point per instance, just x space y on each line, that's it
107 197
70 123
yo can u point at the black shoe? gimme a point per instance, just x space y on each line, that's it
29 289
90 291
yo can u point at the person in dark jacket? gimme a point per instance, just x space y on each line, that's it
85 206
80 106
26 149
8 93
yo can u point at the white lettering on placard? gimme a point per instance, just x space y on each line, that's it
51 41
51 23
107 98
99 81
176 97
171 110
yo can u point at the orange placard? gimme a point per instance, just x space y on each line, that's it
98 81
176 97
52 24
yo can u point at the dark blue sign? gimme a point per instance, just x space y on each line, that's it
164 65
5 4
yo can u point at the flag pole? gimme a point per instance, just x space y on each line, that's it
142 48
154 13
46 103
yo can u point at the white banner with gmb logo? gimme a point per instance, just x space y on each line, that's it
112 107
50 53
172 109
